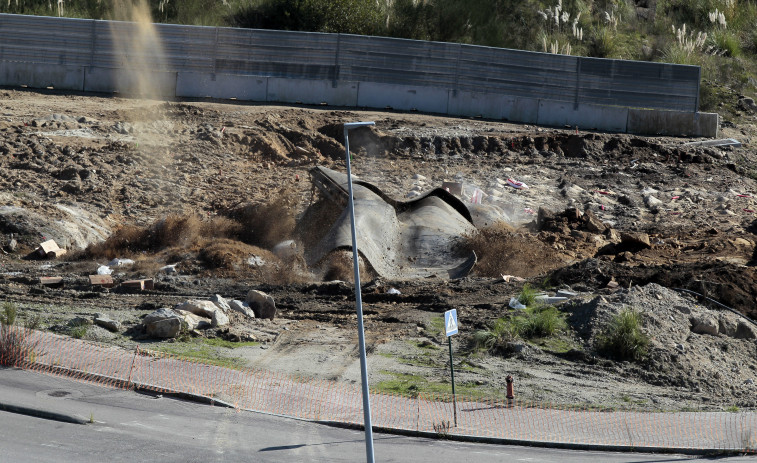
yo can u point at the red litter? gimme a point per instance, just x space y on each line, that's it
748 210
675 197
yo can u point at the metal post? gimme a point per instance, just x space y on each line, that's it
359 300
452 372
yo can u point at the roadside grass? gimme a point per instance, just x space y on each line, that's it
208 351
435 325
411 385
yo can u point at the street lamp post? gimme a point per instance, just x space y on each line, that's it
359 299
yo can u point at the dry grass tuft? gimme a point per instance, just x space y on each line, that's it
266 225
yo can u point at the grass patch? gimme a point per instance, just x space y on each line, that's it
218 342
78 331
623 339
203 352
537 322
412 385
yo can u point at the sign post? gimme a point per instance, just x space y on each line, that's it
450 328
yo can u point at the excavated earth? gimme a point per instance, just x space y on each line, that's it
623 221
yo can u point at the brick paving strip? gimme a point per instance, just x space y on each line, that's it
321 400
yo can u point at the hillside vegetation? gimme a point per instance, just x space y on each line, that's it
719 35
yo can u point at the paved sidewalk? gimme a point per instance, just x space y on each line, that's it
338 402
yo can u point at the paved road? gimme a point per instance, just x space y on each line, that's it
137 427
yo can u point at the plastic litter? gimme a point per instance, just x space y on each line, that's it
104 270
394 291
255 261
477 196
565 293
509 278
168 268
119 262
551 299
515 304
516 184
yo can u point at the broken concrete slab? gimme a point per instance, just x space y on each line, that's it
400 240
713 143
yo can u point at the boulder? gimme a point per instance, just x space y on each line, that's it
198 307
79 321
163 323
745 330
652 202
262 304
242 307
219 319
107 323
220 302
193 321
704 325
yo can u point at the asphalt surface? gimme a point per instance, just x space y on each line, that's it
104 424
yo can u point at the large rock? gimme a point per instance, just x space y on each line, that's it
261 304
107 322
219 319
704 325
220 302
198 307
163 323
745 330
727 326
242 307
193 321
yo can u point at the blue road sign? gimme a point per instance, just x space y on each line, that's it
450 322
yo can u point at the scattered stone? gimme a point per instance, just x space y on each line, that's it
704 325
652 202
242 307
593 223
163 323
220 302
12 245
612 235
727 326
255 261
262 304
107 323
635 240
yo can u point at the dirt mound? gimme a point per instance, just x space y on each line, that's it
692 347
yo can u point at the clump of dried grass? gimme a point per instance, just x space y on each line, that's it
266 225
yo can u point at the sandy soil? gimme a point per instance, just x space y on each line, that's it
621 220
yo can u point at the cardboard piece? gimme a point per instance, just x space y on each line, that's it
53 282
105 281
140 285
48 247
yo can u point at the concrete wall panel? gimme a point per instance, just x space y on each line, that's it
493 106
156 84
223 86
308 91
676 123
558 114
403 97
42 75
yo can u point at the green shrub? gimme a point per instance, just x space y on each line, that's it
542 322
604 43
726 43
15 345
623 339
527 295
